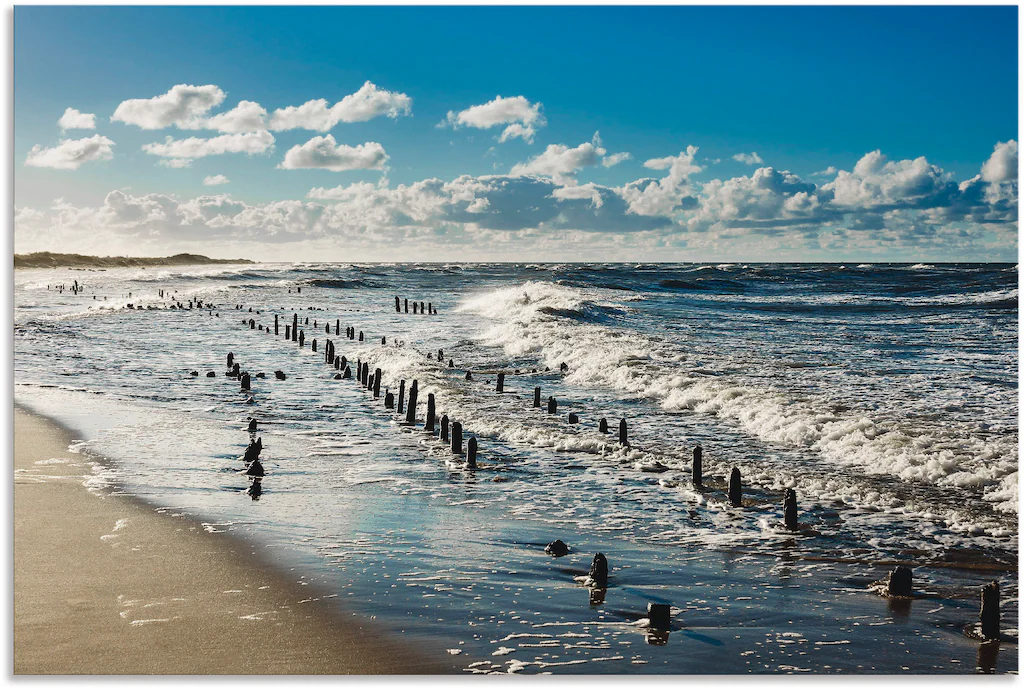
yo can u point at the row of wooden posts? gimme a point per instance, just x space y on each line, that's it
899 582
417 307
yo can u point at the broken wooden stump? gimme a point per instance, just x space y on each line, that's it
401 396
552 405
500 388
410 411
990 611
376 383
697 471
456 438
536 396
279 375
398 305
623 438
429 424
900 583
295 327
659 616
599 571
556 548
231 359
444 428
246 381
735 487
602 426
287 332
471 453
789 510
574 418
389 401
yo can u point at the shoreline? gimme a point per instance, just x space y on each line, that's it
110 586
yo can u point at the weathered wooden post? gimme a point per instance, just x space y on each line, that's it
501 383
383 340
276 327
252 324
376 383
457 438
313 344
602 426
990 611
735 487
327 328
697 472
401 396
231 359
789 509
307 322
430 307
901 582
421 308
337 362
410 411
389 401
351 332
287 332
429 425
236 370
406 305
451 364
659 616
440 354
364 377
398 305
599 571
415 308
246 381
623 439
295 327
536 396
302 337
360 336
337 327
344 361
552 405
574 418
252 424
348 373
471 453
444 428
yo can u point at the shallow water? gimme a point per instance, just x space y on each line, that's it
886 396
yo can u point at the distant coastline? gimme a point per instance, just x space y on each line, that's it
51 260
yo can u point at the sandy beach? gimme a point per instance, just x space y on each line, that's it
105 585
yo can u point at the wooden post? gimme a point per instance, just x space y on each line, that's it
389 401
735 487
327 328
276 327
302 337
360 336
444 428
623 439
603 426
471 453
697 473
410 410
376 383
245 381
383 340
287 332
429 425
398 305
348 373
344 361
440 354
421 307
406 305
574 418
313 344
337 363
401 396
451 364
789 509
599 571
990 611
552 405
231 359
430 307
536 396
235 370
659 616
415 308
364 376
252 324
501 383
901 582
457 438
295 327
337 327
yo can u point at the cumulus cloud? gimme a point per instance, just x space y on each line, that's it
767 195
325 152
522 118
72 119
211 180
1002 164
748 158
878 183
365 104
70 154
198 147
651 197
183 106
560 162
616 158
247 116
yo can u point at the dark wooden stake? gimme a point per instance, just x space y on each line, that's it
574 418
659 616
295 327
471 453
276 327
457 438
429 425
501 383
401 396
602 426
990 611
789 509
389 401
697 473
536 396
599 571
376 383
623 439
901 582
552 405
444 428
735 487
410 410
398 305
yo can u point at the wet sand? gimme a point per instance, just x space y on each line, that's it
105 585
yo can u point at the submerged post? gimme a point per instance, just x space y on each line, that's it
302 337
398 305
789 509
245 381
429 425
295 327
901 582
348 373
389 401
410 411
659 616
536 396
276 331
599 571
990 611
444 428
501 383
735 487
287 332
552 405
456 438
471 453
623 440
401 396
376 383
602 426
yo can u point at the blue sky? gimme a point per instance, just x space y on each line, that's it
811 90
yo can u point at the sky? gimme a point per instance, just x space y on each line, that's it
518 133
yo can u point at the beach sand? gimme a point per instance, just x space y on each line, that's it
105 585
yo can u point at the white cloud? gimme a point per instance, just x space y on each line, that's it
589 191
560 162
184 106
247 116
748 158
72 119
522 118
71 153
616 158
325 152
175 163
648 197
1002 164
211 180
766 195
197 147
365 104
878 182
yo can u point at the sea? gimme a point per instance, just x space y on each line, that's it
884 395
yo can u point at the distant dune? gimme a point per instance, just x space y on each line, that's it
50 260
